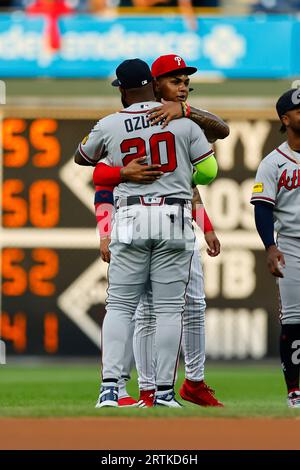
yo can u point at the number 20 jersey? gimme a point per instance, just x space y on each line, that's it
126 135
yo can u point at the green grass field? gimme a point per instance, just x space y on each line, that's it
68 390
84 87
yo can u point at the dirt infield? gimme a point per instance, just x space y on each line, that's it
149 434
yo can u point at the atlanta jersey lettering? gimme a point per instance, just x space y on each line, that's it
277 182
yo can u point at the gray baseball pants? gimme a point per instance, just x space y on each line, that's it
149 244
289 285
193 335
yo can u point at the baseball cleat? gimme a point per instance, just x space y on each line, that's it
199 393
293 399
108 397
166 398
127 402
146 398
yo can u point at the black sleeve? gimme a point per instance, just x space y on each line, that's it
263 213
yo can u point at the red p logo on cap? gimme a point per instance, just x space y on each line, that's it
170 63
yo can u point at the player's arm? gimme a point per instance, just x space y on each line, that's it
92 149
202 220
263 212
80 160
213 126
263 198
104 210
201 156
136 172
106 175
205 171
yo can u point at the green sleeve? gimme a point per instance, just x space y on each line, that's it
205 171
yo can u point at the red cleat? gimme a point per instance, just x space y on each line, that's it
146 398
127 401
199 393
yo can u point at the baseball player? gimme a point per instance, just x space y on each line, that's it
136 172
276 197
171 88
172 83
161 213
173 69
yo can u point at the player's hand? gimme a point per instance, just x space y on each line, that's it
104 249
168 111
214 246
275 261
137 172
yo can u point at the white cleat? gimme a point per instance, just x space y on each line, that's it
108 397
293 399
166 398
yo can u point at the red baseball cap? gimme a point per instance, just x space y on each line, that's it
166 64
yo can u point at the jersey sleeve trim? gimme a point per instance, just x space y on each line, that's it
262 198
84 155
203 157
286 156
134 112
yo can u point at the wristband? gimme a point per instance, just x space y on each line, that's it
202 220
186 109
208 227
107 175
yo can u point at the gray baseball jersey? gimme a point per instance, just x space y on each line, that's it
127 134
277 182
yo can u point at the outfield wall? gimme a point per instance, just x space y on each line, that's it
54 284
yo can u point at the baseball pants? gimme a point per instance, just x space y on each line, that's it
163 258
193 338
289 285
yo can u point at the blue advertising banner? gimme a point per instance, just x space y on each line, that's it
239 47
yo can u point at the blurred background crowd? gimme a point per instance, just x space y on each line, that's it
98 6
